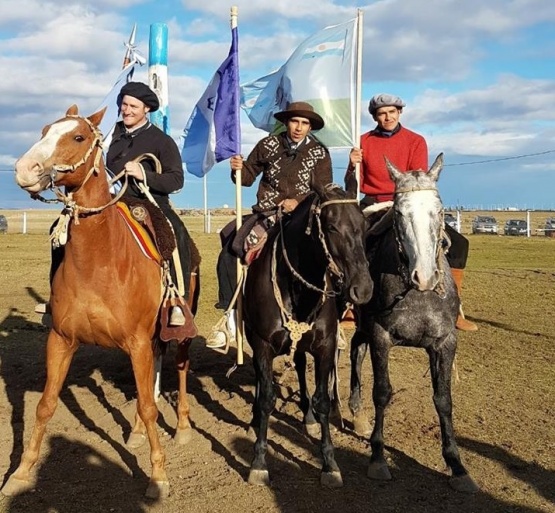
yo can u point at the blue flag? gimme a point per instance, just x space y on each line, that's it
213 132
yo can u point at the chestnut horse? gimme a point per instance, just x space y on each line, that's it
105 291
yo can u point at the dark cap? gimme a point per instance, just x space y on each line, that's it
301 110
140 91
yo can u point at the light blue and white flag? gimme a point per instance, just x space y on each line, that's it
213 131
112 113
321 71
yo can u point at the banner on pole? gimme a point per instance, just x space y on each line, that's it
321 71
213 132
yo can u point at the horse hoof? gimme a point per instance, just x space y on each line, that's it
183 436
15 486
463 484
158 490
331 479
136 440
379 471
259 477
362 426
312 429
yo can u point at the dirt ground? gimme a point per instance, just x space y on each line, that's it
504 410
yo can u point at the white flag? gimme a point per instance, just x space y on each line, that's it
321 71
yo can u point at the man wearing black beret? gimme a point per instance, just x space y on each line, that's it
134 136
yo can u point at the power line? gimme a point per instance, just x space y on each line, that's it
500 159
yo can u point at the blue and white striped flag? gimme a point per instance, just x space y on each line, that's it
321 71
213 132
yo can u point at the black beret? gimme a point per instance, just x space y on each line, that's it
141 92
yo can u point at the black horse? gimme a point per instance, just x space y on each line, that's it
290 307
414 303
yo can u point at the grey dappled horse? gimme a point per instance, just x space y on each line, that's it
415 304
290 307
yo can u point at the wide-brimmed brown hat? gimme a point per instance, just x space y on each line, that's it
301 110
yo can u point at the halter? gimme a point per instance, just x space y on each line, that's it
440 287
296 328
71 208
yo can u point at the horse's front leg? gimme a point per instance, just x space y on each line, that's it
142 360
310 424
441 363
59 353
359 347
264 404
321 404
184 430
381 395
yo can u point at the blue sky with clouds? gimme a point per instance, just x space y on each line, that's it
478 79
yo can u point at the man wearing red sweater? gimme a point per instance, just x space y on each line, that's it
408 151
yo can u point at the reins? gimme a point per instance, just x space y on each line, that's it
297 328
72 210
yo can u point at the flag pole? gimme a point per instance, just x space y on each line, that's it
238 222
358 95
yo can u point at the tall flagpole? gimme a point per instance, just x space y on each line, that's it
238 223
358 94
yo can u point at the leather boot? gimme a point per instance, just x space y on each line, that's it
462 323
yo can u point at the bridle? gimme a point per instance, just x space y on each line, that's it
298 328
332 267
441 248
72 209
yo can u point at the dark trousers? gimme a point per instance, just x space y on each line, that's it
183 242
226 270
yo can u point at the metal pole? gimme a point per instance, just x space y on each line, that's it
158 74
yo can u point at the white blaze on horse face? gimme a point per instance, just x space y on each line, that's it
30 169
420 225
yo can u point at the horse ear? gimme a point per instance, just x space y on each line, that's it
96 118
351 185
436 168
394 173
72 111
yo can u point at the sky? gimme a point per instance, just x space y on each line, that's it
477 77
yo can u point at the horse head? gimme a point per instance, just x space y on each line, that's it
418 222
342 230
61 157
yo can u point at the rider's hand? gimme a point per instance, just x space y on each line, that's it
236 162
288 205
135 170
355 156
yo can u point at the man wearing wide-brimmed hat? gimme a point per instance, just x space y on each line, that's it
289 164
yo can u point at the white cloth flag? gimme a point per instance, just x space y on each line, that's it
112 113
321 71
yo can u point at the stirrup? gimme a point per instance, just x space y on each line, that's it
215 342
177 318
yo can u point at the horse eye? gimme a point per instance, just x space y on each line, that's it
79 138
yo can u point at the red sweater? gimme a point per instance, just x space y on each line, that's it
406 149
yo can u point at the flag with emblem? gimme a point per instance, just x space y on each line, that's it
321 71
213 132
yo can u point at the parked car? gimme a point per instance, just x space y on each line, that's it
484 224
549 227
3 224
450 220
516 227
